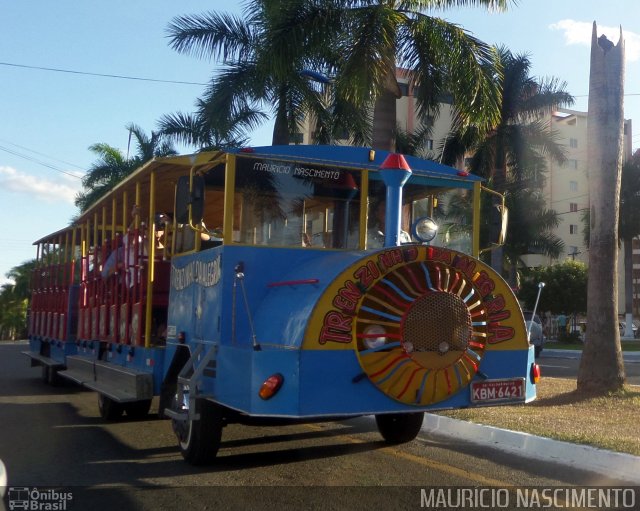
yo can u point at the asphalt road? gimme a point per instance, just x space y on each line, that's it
54 440
562 366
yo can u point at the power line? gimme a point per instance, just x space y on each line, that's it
42 154
34 160
630 94
102 75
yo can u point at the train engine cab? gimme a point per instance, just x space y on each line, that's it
291 284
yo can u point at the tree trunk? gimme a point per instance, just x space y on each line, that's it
601 365
384 122
384 112
281 125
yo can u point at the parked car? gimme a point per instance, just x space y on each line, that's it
536 333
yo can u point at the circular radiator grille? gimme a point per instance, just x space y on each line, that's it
422 329
438 322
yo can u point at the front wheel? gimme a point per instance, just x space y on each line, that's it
199 439
398 428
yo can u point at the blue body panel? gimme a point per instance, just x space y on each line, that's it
328 383
279 313
58 350
317 382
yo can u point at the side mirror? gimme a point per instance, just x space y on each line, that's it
186 196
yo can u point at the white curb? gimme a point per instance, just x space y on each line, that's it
611 464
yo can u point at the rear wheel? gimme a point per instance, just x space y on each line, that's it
109 409
199 439
537 350
398 428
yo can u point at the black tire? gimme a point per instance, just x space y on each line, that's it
398 428
45 373
138 409
199 440
110 410
53 379
537 350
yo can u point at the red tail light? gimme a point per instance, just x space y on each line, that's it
271 386
535 373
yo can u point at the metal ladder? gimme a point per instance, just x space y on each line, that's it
190 382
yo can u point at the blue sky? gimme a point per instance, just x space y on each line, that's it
49 119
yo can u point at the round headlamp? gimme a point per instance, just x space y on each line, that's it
425 229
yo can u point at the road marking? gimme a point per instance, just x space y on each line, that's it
558 367
427 462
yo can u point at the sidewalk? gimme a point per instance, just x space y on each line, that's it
607 463
629 357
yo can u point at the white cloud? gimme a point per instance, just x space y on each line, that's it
579 32
14 181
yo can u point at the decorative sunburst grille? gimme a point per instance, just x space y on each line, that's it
435 330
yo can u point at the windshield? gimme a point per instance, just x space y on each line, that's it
285 204
450 208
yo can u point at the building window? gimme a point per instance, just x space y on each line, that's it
573 229
573 252
404 88
572 164
428 145
573 186
573 142
573 207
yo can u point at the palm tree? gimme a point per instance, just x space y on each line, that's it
516 143
14 299
21 276
629 227
149 146
512 155
112 166
204 129
601 365
530 229
373 38
262 69
414 143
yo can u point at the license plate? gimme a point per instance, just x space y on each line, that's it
490 391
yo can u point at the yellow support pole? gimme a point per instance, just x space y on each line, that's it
364 208
229 197
74 239
125 212
151 250
113 219
475 249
